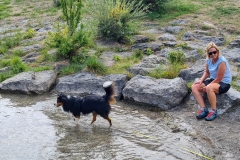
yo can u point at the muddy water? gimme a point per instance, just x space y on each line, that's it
33 128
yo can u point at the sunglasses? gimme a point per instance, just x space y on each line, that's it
210 53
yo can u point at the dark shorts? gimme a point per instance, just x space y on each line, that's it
224 87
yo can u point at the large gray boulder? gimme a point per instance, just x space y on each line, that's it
235 43
154 46
29 82
147 65
84 83
202 37
196 71
163 93
233 55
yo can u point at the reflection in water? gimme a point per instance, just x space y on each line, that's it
133 136
38 130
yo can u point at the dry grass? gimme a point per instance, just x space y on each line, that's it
222 13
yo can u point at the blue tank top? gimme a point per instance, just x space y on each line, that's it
213 68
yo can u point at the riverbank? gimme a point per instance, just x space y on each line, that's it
138 132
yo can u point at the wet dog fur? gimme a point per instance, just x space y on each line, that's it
95 104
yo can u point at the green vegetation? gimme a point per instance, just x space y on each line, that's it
174 8
170 71
177 63
14 40
122 64
149 51
17 66
71 10
116 57
95 65
4 9
176 57
86 21
189 85
67 44
14 66
18 53
117 20
155 5
183 46
71 37
29 33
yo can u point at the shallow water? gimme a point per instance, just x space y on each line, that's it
33 128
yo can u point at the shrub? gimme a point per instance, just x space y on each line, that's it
13 41
170 72
95 65
29 33
19 53
56 3
4 76
67 44
3 49
16 65
149 51
117 18
176 57
116 58
69 38
154 5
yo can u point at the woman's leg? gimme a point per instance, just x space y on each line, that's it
196 90
212 89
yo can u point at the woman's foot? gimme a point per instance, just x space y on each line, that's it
202 113
211 115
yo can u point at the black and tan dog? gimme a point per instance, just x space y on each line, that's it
95 104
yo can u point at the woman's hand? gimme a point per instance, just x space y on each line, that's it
199 82
203 89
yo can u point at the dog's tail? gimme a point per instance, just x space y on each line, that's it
110 90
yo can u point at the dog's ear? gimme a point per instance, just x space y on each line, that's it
62 99
61 95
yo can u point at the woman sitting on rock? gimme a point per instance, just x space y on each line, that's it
215 80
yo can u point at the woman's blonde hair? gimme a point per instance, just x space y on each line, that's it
212 45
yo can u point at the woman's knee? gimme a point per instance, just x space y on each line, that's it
195 87
212 87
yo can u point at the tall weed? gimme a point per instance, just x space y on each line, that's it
17 66
94 65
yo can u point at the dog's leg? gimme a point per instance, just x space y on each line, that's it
71 115
110 121
94 117
78 119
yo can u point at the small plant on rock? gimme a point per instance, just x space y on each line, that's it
149 51
116 57
176 57
29 33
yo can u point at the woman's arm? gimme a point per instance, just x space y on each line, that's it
205 74
221 70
